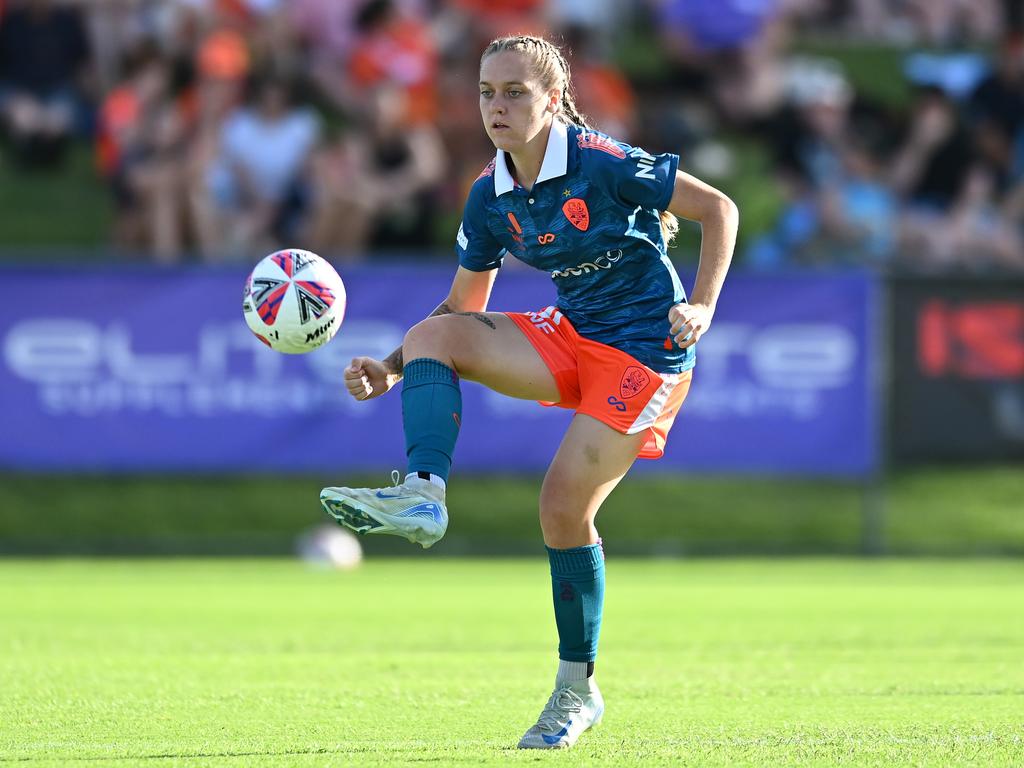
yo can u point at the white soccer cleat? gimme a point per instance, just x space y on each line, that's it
572 709
413 509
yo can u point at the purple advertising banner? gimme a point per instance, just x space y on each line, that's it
152 370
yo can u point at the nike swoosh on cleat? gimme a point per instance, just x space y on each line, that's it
382 495
558 736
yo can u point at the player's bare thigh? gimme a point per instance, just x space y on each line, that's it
485 347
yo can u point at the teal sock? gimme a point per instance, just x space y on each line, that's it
431 414
577 586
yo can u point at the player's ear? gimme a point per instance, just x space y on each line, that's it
554 102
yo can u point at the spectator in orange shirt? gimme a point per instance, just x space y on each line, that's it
602 92
141 140
493 18
395 48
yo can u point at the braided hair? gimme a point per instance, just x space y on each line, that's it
550 67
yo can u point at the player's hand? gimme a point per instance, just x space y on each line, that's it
367 378
689 323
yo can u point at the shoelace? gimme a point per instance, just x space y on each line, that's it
562 700
395 477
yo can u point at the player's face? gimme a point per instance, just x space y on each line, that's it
514 105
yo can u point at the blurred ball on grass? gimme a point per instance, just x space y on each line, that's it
331 547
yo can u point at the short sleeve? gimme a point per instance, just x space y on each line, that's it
628 174
477 248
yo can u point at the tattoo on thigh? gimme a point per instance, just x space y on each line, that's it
481 317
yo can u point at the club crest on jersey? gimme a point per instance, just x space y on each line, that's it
576 211
634 381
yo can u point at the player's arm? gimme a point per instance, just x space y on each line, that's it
470 292
719 219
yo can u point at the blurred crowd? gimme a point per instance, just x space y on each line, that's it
225 128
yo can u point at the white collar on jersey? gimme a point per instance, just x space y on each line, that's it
556 160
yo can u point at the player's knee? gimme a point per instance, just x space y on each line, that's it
560 513
430 338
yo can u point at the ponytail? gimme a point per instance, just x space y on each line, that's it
669 226
569 110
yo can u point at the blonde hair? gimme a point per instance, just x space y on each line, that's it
550 67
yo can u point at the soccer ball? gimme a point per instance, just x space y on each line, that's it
294 301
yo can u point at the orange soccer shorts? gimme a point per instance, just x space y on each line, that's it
605 383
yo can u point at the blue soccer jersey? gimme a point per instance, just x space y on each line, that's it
591 222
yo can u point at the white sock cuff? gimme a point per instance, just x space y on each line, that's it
569 671
435 479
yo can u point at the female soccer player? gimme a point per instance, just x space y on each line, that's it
617 348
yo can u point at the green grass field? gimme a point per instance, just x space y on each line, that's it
446 662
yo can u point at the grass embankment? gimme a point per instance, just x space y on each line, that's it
972 511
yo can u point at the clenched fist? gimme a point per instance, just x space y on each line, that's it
689 323
366 378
